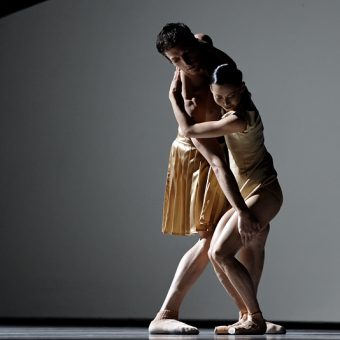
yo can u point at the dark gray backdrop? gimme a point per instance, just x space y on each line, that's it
85 134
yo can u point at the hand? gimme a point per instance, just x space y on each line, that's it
248 226
176 85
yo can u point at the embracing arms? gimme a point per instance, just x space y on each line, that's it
192 129
202 136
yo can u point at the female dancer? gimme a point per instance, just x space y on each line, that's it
249 181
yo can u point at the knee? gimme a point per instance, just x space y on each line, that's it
218 255
211 255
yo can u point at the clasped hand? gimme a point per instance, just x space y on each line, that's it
248 226
176 86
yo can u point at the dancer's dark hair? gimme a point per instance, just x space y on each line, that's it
173 35
227 74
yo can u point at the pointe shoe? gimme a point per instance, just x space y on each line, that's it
172 327
273 328
166 322
224 330
221 330
252 326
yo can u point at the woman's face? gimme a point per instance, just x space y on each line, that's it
227 96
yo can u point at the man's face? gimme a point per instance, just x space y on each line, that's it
186 59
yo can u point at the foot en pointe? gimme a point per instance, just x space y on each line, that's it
166 322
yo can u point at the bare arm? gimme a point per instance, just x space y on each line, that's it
248 224
212 152
190 127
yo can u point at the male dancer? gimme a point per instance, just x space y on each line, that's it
197 58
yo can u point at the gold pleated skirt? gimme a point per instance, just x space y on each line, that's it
193 200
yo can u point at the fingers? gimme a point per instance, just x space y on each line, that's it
176 85
250 236
177 75
248 227
243 239
247 237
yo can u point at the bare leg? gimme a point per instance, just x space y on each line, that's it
253 263
223 252
219 270
252 258
189 269
243 314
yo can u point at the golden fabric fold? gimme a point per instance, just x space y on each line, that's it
193 200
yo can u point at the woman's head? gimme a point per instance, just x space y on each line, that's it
227 87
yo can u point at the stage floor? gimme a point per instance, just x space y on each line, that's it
133 333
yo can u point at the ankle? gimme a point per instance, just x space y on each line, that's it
242 315
255 316
166 314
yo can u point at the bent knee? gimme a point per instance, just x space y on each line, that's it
211 255
217 254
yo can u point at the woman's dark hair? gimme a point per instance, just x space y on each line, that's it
227 75
173 35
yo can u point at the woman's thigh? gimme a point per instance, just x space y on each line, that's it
264 206
221 225
266 203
